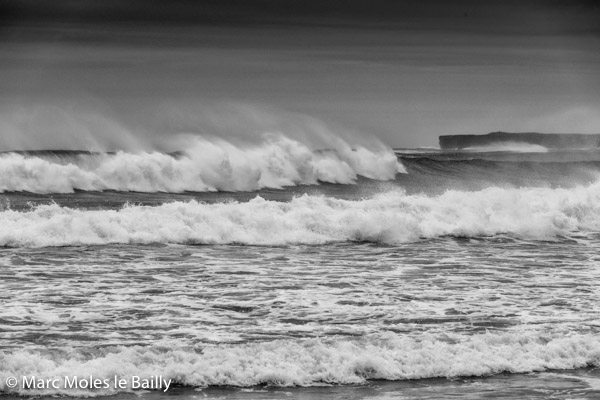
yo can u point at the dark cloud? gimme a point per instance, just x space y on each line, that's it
462 15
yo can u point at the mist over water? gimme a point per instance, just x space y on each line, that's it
165 127
229 147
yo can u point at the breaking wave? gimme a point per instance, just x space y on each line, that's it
307 362
389 217
515 147
207 165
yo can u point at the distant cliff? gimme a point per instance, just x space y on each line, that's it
548 140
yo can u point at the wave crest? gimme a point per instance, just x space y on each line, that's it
390 217
206 165
312 361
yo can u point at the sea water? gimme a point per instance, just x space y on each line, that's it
304 275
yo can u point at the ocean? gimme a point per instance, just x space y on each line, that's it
280 272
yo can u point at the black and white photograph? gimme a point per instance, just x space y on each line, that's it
299 199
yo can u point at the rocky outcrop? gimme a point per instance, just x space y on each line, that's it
548 140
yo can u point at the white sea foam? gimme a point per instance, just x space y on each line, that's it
390 217
311 361
515 147
208 165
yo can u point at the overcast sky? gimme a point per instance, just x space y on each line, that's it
402 71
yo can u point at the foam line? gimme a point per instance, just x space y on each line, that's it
390 217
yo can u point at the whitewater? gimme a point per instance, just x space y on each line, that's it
277 269
205 165
387 218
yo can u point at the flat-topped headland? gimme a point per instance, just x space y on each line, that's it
548 140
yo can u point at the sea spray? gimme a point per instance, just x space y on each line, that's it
205 165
